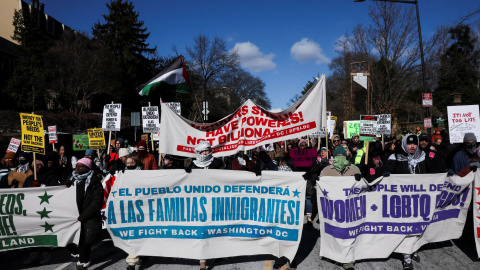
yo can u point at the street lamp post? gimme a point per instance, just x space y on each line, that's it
415 2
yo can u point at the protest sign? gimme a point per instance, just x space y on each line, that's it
175 106
13 145
43 216
384 124
150 118
33 139
171 213
400 214
112 114
303 157
96 138
52 134
476 211
368 127
250 126
80 142
461 120
350 128
427 122
156 136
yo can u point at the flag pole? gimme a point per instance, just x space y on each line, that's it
34 164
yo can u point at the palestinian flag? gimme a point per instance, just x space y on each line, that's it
174 77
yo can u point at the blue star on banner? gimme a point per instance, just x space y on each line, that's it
325 192
296 193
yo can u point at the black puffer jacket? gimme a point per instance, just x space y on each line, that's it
89 203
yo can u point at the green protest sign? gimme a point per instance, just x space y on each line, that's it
350 128
80 142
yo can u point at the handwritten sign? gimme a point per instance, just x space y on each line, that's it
112 114
350 128
384 124
461 120
150 118
13 146
175 106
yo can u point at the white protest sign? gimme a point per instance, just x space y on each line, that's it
150 118
175 106
13 146
171 213
384 124
156 136
399 215
43 216
250 126
52 134
368 127
112 115
461 120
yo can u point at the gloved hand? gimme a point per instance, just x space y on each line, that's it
258 172
358 177
188 169
68 183
473 168
385 173
80 218
325 161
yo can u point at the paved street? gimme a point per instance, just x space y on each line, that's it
457 254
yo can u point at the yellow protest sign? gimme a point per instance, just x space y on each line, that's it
96 138
33 138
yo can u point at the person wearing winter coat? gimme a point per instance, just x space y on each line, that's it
8 164
318 165
434 160
147 159
467 154
355 144
376 165
17 177
409 159
89 196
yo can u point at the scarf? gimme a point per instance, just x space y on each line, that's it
412 159
340 163
203 160
23 168
80 178
284 169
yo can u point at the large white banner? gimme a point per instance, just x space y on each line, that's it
31 217
112 117
250 126
461 120
206 213
401 214
476 212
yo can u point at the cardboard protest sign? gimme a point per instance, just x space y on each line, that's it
461 120
350 128
171 213
33 139
52 134
303 157
80 142
368 127
112 115
250 126
399 215
13 145
384 124
156 136
150 118
96 138
175 106
43 216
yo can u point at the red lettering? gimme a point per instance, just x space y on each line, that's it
271 123
261 121
191 140
255 110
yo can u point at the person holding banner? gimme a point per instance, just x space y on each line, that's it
89 201
318 165
147 159
8 165
17 177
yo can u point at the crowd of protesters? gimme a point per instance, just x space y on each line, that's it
409 153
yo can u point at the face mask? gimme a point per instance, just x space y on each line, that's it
131 167
141 153
340 162
470 148
23 161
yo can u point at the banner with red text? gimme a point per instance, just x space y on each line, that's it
250 126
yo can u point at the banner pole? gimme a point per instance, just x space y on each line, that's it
151 134
34 164
308 140
53 146
366 153
109 139
383 142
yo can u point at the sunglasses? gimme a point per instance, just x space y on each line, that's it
336 140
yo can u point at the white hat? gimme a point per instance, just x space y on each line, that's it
123 152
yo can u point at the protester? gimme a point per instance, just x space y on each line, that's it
318 165
119 143
89 201
336 141
265 162
67 161
240 162
436 135
375 166
17 177
119 163
434 161
355 144
302 144
147 159
8 165
466 155
132 162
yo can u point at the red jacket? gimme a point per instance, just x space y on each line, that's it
149 162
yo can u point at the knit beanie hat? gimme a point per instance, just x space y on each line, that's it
142 143
339 150
25 155
90 152
412 139
86 161
123 152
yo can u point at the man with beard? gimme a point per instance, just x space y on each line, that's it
466 155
